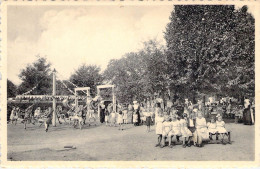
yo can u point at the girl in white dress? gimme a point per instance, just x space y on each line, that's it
212 127
167 127
221 128
159 127
176 128
113 118
120 120
185 132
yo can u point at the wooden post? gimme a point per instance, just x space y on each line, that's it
54 99
76 98
114 99
98 91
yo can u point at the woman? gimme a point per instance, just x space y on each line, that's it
247 118
137 110
102 112
130 114
201 132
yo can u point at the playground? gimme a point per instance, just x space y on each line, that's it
105 143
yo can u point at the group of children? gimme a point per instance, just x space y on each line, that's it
168 126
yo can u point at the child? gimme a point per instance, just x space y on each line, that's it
106 116
125 115
135 118
113 118
120 120
212 127
221 127
159 127
176 127
148 119
167 127
185 132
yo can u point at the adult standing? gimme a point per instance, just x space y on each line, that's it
130 114
201 132
102 107
247 115
137 110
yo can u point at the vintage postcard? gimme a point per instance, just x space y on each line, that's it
130 84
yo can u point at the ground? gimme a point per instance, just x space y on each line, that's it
108 143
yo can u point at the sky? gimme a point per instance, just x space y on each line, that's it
71 36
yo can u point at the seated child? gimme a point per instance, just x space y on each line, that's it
212 127
176 128
221 127
167 127
185 132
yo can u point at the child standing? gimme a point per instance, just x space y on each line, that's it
113 118
159 127
120 120
125 115
135 118
185 132
148 120
106 116
212 127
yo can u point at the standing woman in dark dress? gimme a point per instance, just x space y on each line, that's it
137 110
102 111
247 113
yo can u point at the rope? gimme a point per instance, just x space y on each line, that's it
67 87
72 84
32 88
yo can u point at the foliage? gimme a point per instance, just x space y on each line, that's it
87 76
36 74
11 89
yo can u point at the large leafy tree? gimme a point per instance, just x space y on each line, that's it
87 76
36 74
208 50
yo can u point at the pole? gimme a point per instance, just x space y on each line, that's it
114 99
76 98
54 99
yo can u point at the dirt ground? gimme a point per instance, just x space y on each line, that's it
108 143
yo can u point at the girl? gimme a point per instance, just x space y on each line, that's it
167 127
159 127
49 119
113 118
185 132
106 116
212 127
120 120
124 115
135 118
176 128
221 128
148 119
14 116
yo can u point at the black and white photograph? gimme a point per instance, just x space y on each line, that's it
171 82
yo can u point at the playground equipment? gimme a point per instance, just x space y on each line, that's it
87 89
113 93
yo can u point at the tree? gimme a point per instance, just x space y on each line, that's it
37 74
11 89
206 48
87 76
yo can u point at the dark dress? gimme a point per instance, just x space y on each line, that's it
247 119
102 113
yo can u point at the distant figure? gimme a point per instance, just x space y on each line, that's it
247 118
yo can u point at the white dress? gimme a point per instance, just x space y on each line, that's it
176 128
221 127
120 118
166 128
159 125
113 117
201 128
212 128
185 132
135 118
